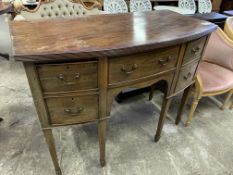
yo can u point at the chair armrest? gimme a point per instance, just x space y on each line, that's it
223 35
228 28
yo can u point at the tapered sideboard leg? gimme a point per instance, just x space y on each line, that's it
151 94
102 136
163 113
52 149
184 100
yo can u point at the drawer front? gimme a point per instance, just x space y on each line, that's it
194 49
140 65
72 109
186 76
68 77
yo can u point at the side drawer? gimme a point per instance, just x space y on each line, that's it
72 109
194 49
186 76
131 67
68 77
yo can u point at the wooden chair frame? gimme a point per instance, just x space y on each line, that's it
228 28
198 93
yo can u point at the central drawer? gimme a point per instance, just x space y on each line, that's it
68 77
72 109
132 67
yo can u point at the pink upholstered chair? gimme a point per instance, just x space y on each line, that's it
215 73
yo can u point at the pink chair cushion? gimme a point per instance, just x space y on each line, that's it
215 77
218 51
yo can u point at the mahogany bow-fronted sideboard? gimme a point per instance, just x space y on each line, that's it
75 67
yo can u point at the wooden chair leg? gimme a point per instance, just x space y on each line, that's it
50 141
163 114
192 110
102 137
151 94
227 100
182 104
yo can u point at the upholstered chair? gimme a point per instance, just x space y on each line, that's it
58 9
204 6
215 73
185 7
115 6
140 5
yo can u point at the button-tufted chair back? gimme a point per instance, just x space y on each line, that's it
58 9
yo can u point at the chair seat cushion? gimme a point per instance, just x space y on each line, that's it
214 77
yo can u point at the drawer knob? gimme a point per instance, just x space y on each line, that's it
186 77
74 111
72 82
195 50
165 61
129 71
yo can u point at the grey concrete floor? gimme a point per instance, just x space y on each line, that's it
204 148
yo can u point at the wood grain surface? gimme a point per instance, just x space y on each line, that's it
132 67
68 77
103 35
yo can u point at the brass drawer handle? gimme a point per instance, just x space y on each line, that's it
195 50
165 61
133 68
186 77
74 111
62 78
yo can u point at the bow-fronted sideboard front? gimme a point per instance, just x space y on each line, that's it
75 67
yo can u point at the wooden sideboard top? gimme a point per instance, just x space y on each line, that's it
102 35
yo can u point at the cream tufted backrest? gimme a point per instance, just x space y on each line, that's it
58 9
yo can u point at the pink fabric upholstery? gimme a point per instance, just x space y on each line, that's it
215 77
219 51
